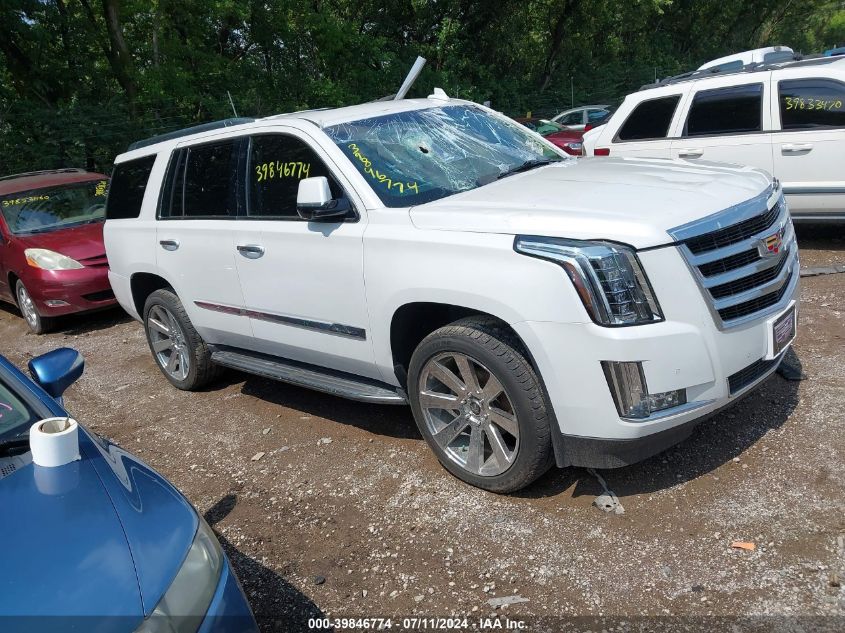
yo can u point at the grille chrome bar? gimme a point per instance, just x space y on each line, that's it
744 259
748 295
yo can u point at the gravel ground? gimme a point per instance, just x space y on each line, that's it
338 509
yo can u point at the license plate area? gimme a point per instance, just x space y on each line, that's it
782 331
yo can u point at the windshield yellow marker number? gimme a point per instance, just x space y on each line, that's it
16 201
100 189
375 174
278 169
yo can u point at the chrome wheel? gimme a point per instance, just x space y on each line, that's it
27 307
168 342
469 414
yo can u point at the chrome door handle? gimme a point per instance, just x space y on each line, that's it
251 251
690 153
169 245
791 148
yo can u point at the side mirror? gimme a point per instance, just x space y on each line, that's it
314 201
57 370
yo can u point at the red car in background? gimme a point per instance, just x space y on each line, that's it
568 140
52 258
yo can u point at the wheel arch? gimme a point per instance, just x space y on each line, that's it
413 321
13 282
142 285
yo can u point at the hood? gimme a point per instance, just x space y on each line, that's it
157 520
79 242
103 536
64 550
634 201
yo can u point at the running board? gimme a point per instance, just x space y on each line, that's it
309 376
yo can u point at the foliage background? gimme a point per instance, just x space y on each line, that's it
80 79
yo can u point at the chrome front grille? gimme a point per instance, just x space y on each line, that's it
745 259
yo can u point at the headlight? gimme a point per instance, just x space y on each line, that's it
608 278
575 147
185 604
50 260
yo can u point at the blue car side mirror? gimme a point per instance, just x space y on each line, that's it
57 370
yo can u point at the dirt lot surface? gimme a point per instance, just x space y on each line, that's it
348 514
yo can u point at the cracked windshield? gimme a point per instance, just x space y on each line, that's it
422 155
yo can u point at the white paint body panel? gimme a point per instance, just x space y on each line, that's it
458 251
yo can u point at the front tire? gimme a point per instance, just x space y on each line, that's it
480 406
37 323
178 349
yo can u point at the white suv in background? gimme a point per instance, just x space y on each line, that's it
787 118
530 307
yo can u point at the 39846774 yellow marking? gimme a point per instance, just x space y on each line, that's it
275 169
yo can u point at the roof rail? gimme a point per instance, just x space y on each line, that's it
797 60
204 127
42 172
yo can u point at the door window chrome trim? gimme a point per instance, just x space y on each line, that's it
320 326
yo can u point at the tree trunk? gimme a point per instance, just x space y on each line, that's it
558 33
116 52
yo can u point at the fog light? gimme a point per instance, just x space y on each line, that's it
630 391
56 303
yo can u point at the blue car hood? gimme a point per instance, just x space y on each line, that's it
159 523
102 536
64 550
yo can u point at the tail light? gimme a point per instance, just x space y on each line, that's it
601 151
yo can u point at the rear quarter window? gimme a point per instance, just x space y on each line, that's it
650 120
127 187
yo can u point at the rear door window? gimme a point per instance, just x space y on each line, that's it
650 120
734 110
127 187
202 182
807 104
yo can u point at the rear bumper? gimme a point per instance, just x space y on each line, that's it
60 292
229 610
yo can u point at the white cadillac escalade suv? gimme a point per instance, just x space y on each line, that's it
531 308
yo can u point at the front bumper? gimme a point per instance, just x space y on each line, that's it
686 351
229 610
60 292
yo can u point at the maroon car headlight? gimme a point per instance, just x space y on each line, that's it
50 260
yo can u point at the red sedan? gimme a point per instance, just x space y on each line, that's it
52 258
566 139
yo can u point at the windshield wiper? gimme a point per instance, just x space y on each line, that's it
7 446
529 164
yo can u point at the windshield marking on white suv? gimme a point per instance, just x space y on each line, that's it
424 155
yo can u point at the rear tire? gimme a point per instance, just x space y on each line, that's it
480 406
37 323
178 349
